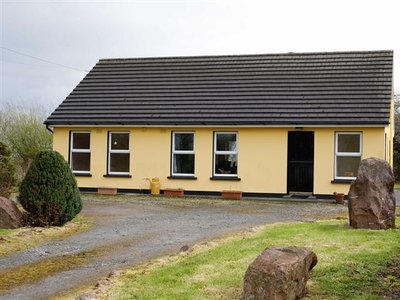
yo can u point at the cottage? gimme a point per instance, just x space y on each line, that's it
267 125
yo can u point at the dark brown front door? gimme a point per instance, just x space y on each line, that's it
300 176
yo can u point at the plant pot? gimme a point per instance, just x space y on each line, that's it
174 192
107 191
339 197
234 195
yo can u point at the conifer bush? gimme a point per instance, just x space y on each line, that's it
7 171
49 192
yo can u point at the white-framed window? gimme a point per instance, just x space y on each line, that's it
118 153
79 154
182 154
225 154
348 153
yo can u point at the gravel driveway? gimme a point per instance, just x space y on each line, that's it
130 232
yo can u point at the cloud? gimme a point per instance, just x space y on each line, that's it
78 34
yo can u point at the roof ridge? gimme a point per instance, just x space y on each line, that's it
214 56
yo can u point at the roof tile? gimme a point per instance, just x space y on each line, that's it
353 88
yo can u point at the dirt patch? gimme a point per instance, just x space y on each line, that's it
135 229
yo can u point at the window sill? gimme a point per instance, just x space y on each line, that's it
118 175
182 177
82 174
342 180
225 178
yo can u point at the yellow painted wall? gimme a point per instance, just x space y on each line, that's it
373 145
262 158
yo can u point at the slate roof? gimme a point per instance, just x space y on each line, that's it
337 88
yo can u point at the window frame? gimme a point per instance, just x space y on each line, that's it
186 152
72 150
346 154
224 152
118 151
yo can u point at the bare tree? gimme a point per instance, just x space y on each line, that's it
397 108
396 141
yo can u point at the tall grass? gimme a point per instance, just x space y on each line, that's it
22 129
352 264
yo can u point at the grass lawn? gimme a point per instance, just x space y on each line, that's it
352 264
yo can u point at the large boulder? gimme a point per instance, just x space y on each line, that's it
10 215
371 198
279 273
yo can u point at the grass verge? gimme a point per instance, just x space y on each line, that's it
12 240
352 264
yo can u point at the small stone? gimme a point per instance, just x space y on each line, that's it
102 282
114 273
184 249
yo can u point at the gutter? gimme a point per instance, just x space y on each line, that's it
49 129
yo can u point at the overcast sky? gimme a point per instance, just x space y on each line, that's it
48 45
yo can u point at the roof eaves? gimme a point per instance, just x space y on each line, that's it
222 123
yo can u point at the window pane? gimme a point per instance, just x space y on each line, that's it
226 164
347 166
184 141
120 141
184 163
80 162
226 142
119 162
81 140
348 143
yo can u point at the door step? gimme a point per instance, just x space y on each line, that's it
299 195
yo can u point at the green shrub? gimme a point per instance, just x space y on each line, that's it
7 171
49 192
